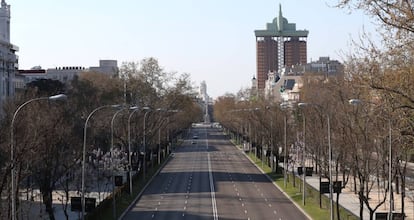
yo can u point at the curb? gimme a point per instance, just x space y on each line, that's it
132 204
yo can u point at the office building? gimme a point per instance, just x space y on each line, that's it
277 46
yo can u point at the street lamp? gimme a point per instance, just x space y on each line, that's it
159 132
134 109
13 169
302 105
168 131
112 162
159 138
330 170
358 102
250 130
283 106
147 109
84 154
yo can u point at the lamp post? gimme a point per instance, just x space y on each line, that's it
145 150
301 105
250 130
168 129
391 202
390 173
330 171
159 139
283 106
129 148
84 154
285 151
13 169
112 162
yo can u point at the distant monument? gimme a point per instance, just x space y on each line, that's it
205 99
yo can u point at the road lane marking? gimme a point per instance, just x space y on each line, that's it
213 191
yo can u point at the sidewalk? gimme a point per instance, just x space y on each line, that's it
349 200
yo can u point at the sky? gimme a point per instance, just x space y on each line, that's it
212 40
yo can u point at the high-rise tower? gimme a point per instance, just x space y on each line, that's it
279 45
8 58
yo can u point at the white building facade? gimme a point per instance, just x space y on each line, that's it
8 57
67 73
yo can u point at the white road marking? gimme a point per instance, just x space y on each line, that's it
213 191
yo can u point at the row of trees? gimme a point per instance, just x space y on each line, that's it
381 77
48 136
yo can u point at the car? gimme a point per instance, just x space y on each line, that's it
195 137
193 142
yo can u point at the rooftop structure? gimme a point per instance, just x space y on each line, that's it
67 73
280 27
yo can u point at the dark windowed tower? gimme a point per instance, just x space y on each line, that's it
279 45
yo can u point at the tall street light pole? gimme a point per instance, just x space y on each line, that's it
302 105
330 171
134 109
159 138
390 173
144 141
13 165
284 107
285 152
84 154
113 163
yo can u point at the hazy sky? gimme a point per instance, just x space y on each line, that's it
212 40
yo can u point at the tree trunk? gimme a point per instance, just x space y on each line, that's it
47 201
361 200
65 205
338 216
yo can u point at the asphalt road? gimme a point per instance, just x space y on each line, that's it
209 178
